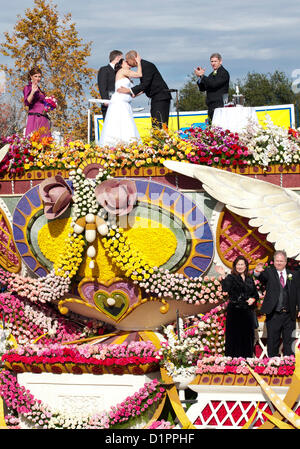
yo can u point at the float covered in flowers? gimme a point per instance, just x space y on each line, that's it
98 261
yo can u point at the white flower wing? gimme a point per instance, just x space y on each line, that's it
274 210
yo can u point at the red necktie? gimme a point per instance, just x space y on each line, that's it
281 280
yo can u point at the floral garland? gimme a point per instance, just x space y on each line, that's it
27 322
212 146
70 259
157 281
278 366
43 290
40 416
135 353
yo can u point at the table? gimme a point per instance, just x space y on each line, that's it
234 118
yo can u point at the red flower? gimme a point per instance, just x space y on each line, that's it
97 370
17 368
137 370
76 369
117 370
56 369
36 369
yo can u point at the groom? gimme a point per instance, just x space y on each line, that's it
106 79
153 85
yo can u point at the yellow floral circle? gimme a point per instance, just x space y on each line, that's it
153 241
52 237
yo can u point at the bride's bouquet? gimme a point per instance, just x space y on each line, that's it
50 103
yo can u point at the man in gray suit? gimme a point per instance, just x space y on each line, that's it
281 303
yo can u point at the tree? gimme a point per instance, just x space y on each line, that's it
11 119
190 97
43 39
261 89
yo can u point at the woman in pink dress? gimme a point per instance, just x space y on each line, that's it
34 99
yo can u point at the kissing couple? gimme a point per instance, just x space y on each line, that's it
119 126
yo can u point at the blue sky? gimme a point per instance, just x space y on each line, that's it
260 36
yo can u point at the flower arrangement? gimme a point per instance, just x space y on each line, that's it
197 337
271 144
179 355
216 147
279 366
18 156
210 328
40 416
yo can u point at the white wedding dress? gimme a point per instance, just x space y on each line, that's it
119 126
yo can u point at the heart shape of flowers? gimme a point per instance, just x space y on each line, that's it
112 304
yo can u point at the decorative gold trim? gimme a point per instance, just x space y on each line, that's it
4 261
156 170
284 407
64 310
175 401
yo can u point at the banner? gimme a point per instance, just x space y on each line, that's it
281 115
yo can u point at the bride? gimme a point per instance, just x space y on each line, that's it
119 125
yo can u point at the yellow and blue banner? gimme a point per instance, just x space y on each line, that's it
281 115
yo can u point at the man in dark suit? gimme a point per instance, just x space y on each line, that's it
216 84
281 303
153 85
106 79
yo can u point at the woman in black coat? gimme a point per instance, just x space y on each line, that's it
240 318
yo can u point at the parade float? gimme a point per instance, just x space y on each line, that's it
112 313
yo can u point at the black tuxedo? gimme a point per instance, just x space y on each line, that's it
280 306
106 84
153 85
215 86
